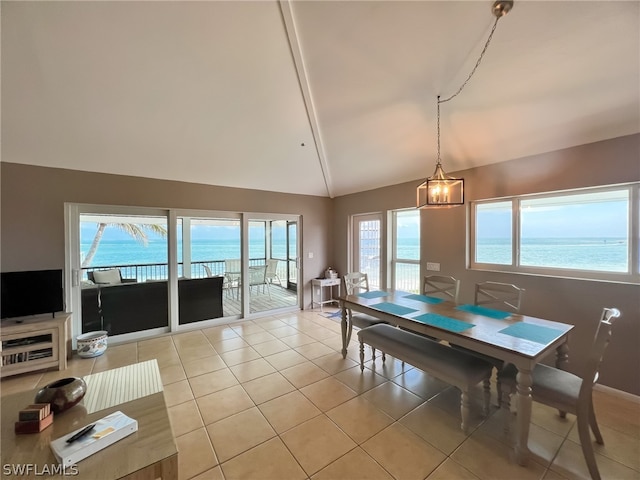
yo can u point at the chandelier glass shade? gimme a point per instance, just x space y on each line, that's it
441 190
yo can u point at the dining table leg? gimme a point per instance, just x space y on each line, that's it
343 327
524 382
562 356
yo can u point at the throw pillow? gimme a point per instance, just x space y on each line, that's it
107 276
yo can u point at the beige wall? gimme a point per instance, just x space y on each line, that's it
32 230
32 208
578 302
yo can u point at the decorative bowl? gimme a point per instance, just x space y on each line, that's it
62 394
92 344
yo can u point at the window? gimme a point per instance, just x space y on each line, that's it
367 248
406 250
585 234
494 233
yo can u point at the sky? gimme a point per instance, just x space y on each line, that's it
586 220
607 219
198 232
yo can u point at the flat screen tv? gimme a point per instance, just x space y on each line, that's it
31 293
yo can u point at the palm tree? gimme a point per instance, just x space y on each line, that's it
136 231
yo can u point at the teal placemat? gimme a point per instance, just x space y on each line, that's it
534 333
441 321
373 294
393 308
424 298
487 312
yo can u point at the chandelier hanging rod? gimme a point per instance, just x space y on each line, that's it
441 190
500 9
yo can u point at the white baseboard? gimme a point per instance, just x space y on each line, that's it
617 393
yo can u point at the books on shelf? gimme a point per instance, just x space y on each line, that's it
26 356
107 431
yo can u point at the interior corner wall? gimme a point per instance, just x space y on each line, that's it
444 236
32 202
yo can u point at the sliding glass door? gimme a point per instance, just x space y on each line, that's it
122 272
139 271
271 274
292 256
209 267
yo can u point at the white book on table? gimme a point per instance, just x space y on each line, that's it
108 430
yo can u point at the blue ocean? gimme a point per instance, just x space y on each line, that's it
128 252
601 254
580 253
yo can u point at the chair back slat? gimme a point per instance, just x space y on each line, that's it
355 282
499 295
441 286
596 354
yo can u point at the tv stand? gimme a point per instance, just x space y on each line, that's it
34 343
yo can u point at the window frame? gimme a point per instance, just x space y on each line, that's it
632 275
395 260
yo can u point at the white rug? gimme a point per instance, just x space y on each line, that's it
120 385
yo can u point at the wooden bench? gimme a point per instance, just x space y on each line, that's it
454 367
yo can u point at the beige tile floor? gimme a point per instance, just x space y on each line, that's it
273 399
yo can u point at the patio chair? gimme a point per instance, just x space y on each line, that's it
568 392
354 283
258 277
272 271
225 280
233 275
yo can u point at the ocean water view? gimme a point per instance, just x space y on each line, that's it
580 253
599 254
129 252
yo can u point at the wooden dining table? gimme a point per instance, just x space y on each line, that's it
513 338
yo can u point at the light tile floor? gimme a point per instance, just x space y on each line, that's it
273 399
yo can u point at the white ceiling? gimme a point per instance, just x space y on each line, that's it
314 97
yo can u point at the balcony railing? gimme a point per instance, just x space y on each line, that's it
141 272
407 274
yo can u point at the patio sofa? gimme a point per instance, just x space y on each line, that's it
131 307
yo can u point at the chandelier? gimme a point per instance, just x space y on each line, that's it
441 190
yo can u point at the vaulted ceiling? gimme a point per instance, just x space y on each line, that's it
313 97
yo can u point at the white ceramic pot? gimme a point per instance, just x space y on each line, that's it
92 344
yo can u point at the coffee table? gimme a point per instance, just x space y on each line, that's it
149 453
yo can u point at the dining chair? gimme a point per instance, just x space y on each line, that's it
499 295
568 392
354 283
441 286
503 296
272 271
